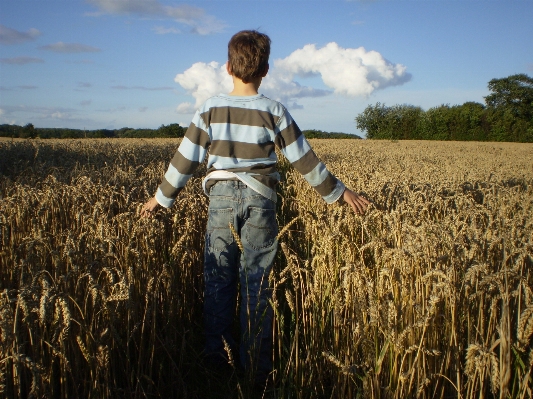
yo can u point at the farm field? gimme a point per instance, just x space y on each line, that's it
428 295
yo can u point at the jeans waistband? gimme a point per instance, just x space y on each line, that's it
233 183
246 181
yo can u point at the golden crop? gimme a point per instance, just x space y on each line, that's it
427 295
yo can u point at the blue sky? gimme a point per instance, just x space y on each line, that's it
142 63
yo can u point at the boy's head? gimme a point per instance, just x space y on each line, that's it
248 53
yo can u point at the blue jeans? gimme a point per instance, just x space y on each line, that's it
254 220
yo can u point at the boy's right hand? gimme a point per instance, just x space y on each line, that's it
357 202
149 208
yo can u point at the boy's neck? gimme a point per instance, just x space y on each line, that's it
245 89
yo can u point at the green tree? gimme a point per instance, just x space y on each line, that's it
125 132
28 131
505 126
172 130
10 130
399 122
373 121
470 122
435 124
403 121
514 94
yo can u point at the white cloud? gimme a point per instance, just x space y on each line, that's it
141 7
82 62
161 30
206 25
194 17
122 87
61 47
23 87
202 81
351 72
186 108
59 115
280 86
39 112
12 36
21 60
112 110
47 116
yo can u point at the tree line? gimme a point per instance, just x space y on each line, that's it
173 130
507 115
319 134
30 131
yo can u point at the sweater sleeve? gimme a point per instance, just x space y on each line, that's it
189 155
295 147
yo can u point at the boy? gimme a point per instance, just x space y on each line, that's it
241 130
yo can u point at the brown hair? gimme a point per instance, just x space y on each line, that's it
248 53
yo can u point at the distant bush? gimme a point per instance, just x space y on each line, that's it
507 116
319 134
174 130
29 131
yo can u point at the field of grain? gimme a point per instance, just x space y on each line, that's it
428 295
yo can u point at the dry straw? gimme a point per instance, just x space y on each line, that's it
428 295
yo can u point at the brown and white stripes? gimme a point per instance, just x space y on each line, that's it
241 134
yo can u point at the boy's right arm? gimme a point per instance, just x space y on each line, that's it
189 155
149 208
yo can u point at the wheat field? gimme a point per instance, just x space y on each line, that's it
428 295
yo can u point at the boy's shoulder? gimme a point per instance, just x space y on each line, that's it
258 102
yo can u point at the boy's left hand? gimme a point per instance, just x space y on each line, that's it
357 202
149 208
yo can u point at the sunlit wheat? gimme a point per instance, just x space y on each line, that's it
428 295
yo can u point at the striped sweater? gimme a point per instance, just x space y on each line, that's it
241 134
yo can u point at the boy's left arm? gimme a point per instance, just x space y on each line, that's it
357 202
